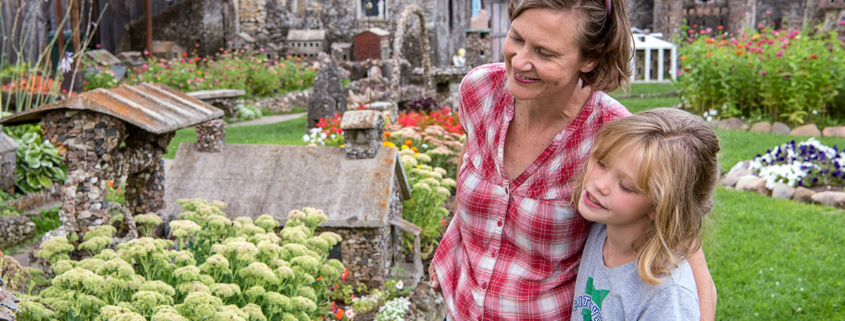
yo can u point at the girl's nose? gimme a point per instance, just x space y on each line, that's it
603 183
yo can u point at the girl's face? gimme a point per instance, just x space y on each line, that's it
609 194
541 54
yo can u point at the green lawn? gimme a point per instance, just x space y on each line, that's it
770 259
646 88
776 259
284 133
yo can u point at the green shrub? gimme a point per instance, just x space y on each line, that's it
216 269
778 75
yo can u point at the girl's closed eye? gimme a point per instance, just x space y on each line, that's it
628 190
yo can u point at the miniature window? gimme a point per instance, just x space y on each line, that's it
376 9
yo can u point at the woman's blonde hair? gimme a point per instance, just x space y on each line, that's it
605 36
675 157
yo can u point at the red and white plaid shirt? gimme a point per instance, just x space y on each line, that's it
513 249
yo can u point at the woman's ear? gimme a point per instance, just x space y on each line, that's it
589 65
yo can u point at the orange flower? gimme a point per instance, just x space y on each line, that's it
709 40
184 54
118 190
443 222
739 52
111 184
709 54
415 149
345 274
683 57
339 314
320 278
387 134
408 143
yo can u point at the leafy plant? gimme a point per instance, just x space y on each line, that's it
430 189
248 112
217 269
783 75
39 164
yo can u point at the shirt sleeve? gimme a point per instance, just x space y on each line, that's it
672 303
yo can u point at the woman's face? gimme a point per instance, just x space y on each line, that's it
541 54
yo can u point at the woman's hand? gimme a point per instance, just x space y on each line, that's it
435 282
704 284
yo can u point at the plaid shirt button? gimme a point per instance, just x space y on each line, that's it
500 223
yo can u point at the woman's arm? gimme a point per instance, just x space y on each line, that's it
705 285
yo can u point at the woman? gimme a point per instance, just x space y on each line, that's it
513 248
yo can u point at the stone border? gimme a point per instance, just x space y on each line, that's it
741 178
15 229
734 123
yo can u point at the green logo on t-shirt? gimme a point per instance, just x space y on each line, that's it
596 296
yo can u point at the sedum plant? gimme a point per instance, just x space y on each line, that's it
217 269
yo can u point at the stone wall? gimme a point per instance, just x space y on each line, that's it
15 229
366 253
281 104
479 49
97 147
8 175
209 23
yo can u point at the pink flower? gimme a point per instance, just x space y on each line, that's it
762 73
350 314
180 85
197 45
779 54
842 22
144 66
768 12
146 52
246 46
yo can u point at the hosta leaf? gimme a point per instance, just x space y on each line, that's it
29 138
47 164
33 163
45 181
32 181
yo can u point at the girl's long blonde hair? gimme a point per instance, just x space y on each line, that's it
675 155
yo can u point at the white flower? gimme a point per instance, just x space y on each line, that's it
815 112
350 314
64 65
424 146
400 285
709 118
306 138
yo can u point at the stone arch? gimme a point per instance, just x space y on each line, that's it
398 39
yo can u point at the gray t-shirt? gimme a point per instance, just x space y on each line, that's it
602 293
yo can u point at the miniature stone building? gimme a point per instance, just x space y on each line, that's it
224 99
361 197
362 131
655 58
8 147
306 43
108 135
327 95
342 51
372 44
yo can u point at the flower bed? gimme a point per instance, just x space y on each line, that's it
213 268
808 163
779 75
251 71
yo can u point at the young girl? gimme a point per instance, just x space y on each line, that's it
647 186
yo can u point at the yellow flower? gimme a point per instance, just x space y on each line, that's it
418 166
404 146
417 154
388 144
158 78
199 72
342 145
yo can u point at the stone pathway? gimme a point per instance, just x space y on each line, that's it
268 120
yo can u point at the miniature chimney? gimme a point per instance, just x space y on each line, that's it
211 135
362 133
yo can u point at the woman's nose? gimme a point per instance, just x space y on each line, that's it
521 60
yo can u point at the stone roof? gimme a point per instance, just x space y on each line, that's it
378 31
275 179
360 119
305 35
155 108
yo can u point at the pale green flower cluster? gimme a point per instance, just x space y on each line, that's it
430 187
218 269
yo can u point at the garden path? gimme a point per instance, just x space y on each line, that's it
268 120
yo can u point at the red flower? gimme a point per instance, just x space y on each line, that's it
443 222
339 314
813 56
345 274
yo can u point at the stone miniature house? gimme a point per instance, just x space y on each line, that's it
362 132
362 196
114 134
373 43
306 43
8 147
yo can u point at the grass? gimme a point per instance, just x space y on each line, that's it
646 88
284 133
776 259
636 105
